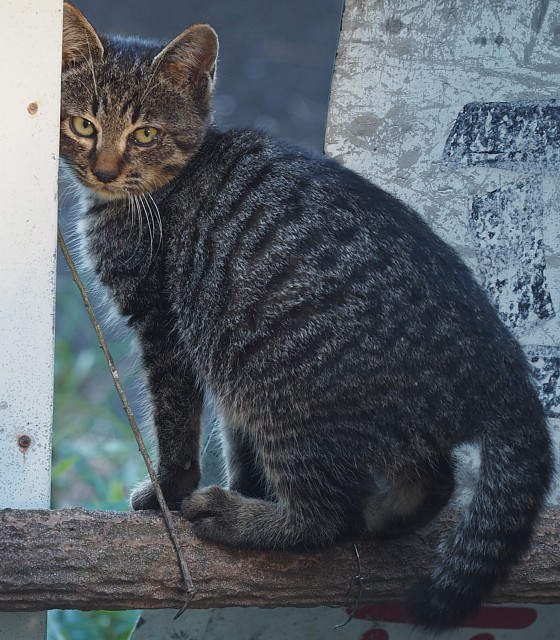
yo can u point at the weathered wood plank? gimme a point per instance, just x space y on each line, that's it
72 558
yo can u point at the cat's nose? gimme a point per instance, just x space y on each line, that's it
106 166
106 175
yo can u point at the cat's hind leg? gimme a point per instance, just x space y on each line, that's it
243 468
316 498
412 499
232 519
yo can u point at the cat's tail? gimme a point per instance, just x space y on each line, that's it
496 528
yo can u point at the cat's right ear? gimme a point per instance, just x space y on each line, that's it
190 59
79 40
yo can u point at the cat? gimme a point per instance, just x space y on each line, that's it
346 348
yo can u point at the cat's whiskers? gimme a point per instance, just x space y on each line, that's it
149 221
131 215
70 192
142 207
135 220
140 216
155 211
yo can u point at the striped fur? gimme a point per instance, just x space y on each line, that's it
346 348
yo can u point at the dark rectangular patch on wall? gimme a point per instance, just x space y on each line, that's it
546 365
507 228
520 136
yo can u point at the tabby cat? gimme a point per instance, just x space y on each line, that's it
346 349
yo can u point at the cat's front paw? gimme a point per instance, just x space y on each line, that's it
211 512
175 485
144 497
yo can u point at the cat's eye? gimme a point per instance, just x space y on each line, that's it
144 136
82 127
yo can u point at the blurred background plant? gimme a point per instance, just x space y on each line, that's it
274 73
94 464
95 458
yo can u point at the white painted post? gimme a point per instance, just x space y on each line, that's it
29 112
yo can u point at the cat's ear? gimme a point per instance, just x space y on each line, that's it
79 40
190 59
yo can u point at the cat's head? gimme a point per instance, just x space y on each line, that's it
132 113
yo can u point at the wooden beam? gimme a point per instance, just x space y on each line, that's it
77 559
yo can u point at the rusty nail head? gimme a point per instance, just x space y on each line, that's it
24 442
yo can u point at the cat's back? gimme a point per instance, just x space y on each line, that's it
249 202
253 211
268 231
287 260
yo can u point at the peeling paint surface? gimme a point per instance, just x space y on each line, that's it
546 363
508 236
522 136
456 111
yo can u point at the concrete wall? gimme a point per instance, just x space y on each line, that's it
452 106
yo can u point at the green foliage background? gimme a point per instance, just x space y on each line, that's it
95 457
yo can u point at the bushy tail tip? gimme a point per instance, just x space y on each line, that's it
494 531
435 608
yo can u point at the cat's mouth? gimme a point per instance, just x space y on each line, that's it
108 192
112 191
122 187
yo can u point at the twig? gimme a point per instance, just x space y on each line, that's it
359 580
187 579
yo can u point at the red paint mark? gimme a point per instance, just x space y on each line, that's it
486 617
388 612
483 636
502 618
375 634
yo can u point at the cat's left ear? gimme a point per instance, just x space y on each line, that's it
190 59
80 42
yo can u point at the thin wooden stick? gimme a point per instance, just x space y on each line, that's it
188 585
